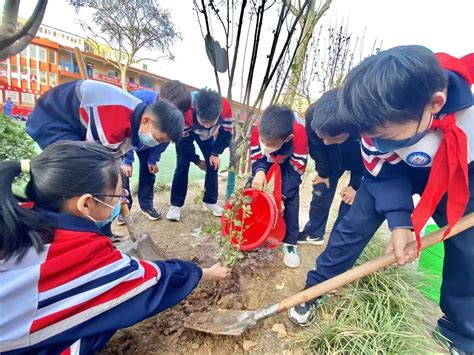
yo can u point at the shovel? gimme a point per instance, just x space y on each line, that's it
233 322
140 245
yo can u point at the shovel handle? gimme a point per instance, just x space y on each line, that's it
125 211
370 266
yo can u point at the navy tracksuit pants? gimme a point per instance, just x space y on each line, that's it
146 182
179 187
355 230
291 194
320 206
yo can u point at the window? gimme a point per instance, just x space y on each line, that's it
131 79
13 68
52 56
24 53
14 95
33 52
41 30
112 73
145 67
3 66
28 99
54 33
90 69
42 54
88 47
53 80
43 78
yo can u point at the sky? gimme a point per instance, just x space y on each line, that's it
440 25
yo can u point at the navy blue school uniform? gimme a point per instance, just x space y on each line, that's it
76 293
146 156
386 193
293 157
211 141
331 161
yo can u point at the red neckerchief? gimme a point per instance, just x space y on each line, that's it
448 174
449 169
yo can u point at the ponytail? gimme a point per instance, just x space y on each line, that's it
20 228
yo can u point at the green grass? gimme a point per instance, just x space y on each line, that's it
383 313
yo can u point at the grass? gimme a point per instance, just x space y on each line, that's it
384 313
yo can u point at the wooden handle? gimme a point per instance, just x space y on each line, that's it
370 266
129 222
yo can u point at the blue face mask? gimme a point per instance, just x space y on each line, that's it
113 215
389 145
148 140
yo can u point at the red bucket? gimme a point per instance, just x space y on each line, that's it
258 225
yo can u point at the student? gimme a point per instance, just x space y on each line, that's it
176 93
208 123
8 108
89 110
334 151
280 136
65 289
415 117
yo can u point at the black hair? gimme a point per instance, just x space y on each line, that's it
177 93
276 122
63 170
208 104
325 117
168 119
392 86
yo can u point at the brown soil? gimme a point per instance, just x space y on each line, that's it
259 280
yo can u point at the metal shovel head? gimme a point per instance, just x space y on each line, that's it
222 322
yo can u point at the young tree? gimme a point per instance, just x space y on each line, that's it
229 20
129 27
13 40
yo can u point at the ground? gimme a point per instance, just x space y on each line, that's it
261 279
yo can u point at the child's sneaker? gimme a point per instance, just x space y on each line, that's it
304 314
304 238
174 214
214 208
151 213
447 344
121 220
291 258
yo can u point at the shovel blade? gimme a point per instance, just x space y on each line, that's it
222 322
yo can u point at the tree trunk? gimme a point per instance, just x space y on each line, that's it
298 65
123 76
232 169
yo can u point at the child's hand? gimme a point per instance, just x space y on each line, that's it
127 170
400 238
215 162
259 181
319 180
216 272
202 165
348 194
153 168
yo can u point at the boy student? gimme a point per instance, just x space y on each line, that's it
208 123
175 92
89 110
334 151
64 288
415 111
280 136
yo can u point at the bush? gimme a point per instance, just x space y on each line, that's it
383 313
15 144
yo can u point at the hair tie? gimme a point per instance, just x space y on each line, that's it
25 166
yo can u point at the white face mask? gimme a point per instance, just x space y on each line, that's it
267 150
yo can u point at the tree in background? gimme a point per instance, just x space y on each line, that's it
14 39
128 28
241 26
317 10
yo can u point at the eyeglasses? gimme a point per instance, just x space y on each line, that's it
123 196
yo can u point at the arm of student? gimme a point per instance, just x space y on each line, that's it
317 150
387 180
155 153
258 160
186 148
129 158
225 130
